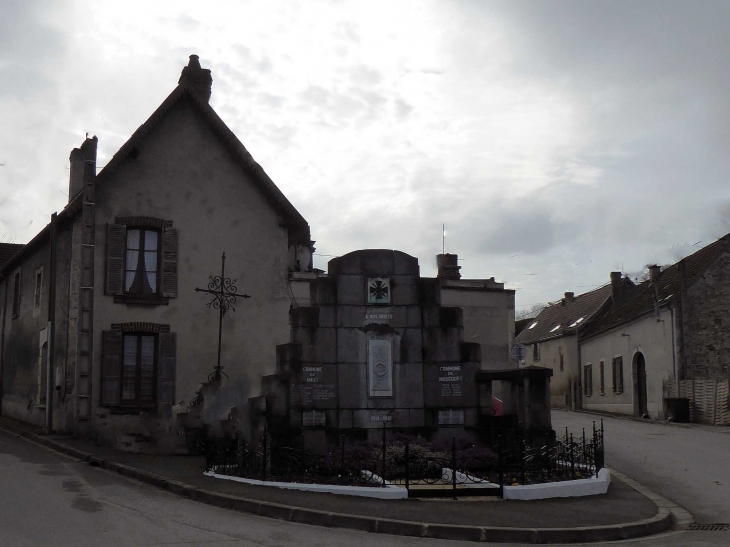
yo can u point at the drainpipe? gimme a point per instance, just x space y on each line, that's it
51 325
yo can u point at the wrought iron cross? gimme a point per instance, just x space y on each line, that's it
224 292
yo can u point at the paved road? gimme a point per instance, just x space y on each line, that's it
691 467
49 500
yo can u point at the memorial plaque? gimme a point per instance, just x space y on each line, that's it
451 417
380 368
378 290
313 418
378 315
315 386
449 384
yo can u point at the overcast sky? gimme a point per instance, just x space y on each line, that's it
557 141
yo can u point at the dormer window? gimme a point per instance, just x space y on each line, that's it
576 322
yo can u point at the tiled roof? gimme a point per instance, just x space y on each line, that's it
7 251
640 299
565 316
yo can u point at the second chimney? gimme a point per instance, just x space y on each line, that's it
654 271
79 156
616 288
448 267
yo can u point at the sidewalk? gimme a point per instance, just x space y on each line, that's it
621 513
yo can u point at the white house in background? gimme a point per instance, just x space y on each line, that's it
675 326
552 338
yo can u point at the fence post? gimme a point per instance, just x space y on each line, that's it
383 466
572 457
500 470
265 454
408 463
548 439
453 465
522 460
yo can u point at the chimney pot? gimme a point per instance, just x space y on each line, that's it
569 296
654 271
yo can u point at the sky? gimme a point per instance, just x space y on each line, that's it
557 141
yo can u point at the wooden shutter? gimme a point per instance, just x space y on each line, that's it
116 243
166 368
111 367
169 262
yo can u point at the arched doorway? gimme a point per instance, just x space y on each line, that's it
638 372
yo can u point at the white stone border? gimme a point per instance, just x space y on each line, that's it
562 489
388 492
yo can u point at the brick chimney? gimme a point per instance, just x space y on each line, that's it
569 296
448 266
79 156
616 288
654 271
199 78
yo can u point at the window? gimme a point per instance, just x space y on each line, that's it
138 365
38 288
536 351
588 380
560 356
138 369
141 261
16 296
600 373
140 265
618 374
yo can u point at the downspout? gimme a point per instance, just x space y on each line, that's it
2 342
50 330
674 344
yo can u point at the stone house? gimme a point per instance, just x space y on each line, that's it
551 339
669 330
105 294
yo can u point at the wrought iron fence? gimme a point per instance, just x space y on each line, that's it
423 468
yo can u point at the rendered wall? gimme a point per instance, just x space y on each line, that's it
652 338
183 174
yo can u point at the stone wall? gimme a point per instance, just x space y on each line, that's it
708 320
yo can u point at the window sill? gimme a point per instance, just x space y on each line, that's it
135 300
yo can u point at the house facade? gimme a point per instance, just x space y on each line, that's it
669 338
108 288
551 339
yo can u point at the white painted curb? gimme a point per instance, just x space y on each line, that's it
563 489
389 492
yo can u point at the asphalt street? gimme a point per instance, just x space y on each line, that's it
688 465
50 500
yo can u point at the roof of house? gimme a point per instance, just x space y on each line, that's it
565 316
185 90
640 300
7 251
